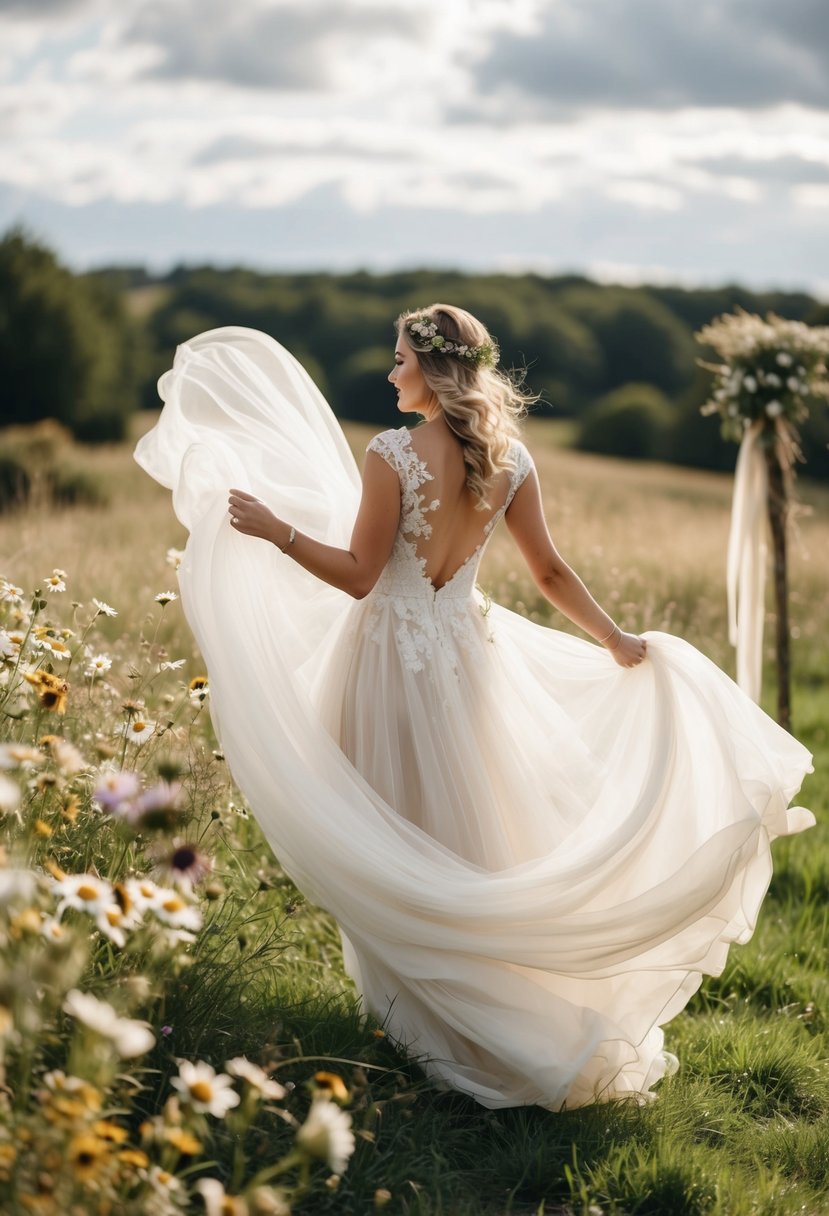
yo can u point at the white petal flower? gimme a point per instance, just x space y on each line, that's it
327 1135
10 593
98 665
174 557
85 892
784 359
129 1037
774 409
103 609
17 885
67 757
171 665
168 906
794 385
207 1091
165 597
19 755
137 730
255 1076
750 384
55 581
10 794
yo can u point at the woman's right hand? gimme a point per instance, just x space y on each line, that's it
630 650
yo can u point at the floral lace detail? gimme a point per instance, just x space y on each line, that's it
425 617
396 448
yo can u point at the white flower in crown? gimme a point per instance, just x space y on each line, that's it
750 384
784 359
774 409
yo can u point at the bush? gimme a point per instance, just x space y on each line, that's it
632 421
36 469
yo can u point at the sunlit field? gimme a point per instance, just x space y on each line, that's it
310 1108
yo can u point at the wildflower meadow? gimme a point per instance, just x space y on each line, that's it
176 1031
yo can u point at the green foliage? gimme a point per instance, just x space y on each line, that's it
631 421
66 347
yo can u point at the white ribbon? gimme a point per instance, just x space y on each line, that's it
746 570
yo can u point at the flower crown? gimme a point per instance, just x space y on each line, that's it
425 331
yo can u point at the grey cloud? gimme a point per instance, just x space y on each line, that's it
777 170
239 147
39 8
287 46
662 54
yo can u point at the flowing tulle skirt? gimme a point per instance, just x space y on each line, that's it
533 855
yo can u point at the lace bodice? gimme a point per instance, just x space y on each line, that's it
426 615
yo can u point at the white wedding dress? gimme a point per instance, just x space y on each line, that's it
533 854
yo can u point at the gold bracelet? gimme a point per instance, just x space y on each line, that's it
602 641
289 542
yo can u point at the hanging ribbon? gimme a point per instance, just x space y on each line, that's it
746 570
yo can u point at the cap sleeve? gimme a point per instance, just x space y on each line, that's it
387 445
522 466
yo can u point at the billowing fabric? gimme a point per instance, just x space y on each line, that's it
533 854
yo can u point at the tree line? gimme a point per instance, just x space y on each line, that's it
621 362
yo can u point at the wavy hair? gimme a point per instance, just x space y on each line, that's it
481 405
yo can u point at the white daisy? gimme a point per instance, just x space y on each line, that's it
19 755
67 757
137 730
53 646
207 1091
56 581
171 665
110 920
103 609
52 929
85 892
97 665
255 1076
10 593
165 597
174 557
169 907
327 1135
129 1037
10 794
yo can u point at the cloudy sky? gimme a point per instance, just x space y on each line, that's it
634 140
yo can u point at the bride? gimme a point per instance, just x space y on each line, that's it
534 846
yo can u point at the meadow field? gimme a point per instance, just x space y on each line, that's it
246 969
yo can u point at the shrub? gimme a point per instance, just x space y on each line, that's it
631 421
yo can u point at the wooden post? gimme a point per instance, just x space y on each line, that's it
778 509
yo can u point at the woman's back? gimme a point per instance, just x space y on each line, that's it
458 527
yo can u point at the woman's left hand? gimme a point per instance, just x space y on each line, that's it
249 515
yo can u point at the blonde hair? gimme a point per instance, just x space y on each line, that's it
481 405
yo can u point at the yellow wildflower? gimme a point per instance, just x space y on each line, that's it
329 1084
51 690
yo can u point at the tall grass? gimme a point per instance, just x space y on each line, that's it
742 1129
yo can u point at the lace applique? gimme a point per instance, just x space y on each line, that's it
396 449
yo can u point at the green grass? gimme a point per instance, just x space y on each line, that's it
741 1130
